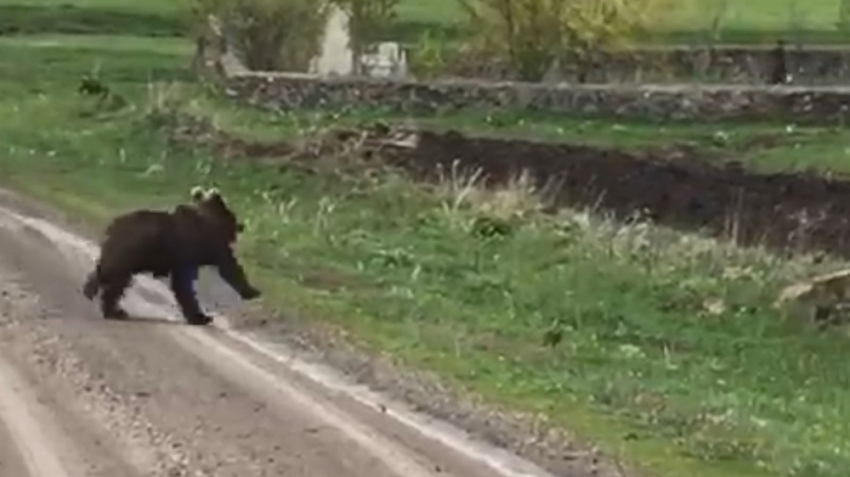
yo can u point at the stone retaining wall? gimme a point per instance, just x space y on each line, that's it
798 104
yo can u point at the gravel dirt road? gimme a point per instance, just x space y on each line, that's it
82 396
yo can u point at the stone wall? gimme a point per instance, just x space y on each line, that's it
809 65
798 104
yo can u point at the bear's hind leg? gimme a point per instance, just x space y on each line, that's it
92 285
113 291
183 287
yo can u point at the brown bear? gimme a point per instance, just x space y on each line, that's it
171 244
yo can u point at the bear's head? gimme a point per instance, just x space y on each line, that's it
212 207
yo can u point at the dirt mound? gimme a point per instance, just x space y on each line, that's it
784 211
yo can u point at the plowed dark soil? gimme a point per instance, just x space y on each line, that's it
686 191
784 211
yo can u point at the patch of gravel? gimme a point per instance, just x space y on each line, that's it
530 436
26 337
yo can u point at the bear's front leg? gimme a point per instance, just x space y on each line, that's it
183 287
233 274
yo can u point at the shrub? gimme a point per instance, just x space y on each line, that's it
268 34
430 56
532 35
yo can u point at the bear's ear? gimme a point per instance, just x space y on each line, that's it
213 193
197 193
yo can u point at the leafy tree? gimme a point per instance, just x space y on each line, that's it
532 35
269 34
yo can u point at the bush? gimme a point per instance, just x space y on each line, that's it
430 56
268 34
533 35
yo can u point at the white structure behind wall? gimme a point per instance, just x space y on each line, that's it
337 58
389 60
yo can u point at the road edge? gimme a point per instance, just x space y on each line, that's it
416 396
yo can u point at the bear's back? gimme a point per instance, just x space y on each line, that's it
194 237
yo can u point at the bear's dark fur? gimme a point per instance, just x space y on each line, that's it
171 244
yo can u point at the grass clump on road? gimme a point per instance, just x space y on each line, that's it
661 347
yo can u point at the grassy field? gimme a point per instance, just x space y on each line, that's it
670 354
650 366
764 147
743 21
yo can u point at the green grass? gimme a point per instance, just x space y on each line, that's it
764 147
95 43
644 368
758 21
746 21
154 18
